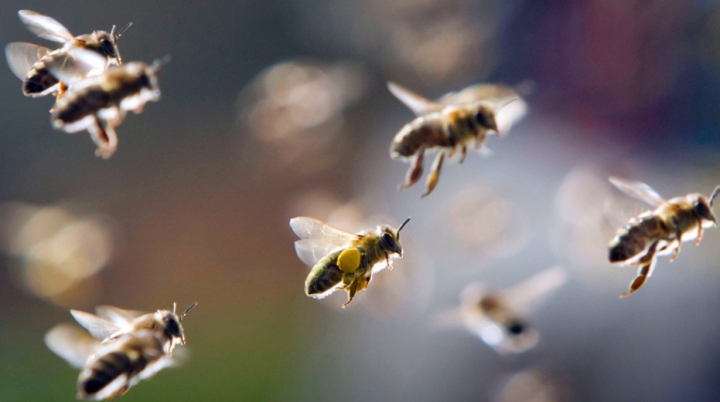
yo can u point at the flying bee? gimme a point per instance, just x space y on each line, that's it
660 231
499 318
29 62
109 369
454 121
99 103
112 322
343 260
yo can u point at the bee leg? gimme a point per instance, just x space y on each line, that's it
434 173
464 153
388 261
699 234
352 289
104 137
644 272
416 170
678 242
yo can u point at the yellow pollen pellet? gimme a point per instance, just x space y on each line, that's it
349 260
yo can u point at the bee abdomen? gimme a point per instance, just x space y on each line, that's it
104 371
416 134
73 108
323 277
38 79
634 238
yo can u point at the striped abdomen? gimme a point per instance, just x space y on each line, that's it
448 128
324 276
116 366
636 237
39 81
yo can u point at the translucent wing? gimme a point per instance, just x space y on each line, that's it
45 27
122 318
530 293
417 103
71 343
76 64
98 327
318 239
496 93
638 190
21 56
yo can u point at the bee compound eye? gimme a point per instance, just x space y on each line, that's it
106 48
388 239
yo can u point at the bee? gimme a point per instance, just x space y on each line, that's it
109 369
497 317
455 121
99 103
112 322
660 231
343 260
29 62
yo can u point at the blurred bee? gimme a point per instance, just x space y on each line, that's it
99 103
29 62
498 317
112 322
660 231
109 369
455 121
342 260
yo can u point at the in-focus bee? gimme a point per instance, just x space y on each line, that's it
99 103
343 260
109 369
454 121
112 322
660 231
29 61
499 318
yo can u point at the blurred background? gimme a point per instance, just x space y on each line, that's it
275 109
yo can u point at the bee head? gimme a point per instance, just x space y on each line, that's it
390 239
172 324
703 207
484 116
107 43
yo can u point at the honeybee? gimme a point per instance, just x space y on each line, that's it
99 103
112 322
29 62
109 369
343 260
499 318
660 231
454 121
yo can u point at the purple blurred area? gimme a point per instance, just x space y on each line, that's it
272 110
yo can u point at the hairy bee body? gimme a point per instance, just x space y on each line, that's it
449 128
30 62
120 364
671 222
660 231
109 95
327 274
340 259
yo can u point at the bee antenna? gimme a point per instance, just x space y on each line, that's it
714 194
161 62
187 309
402 226
174 307
122 30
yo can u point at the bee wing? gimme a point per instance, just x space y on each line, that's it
417 103
45 27
22 56
318 239
638 190
123 318
76 64
529 293
98 327
71 343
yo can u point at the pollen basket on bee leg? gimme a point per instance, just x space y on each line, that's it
349 260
